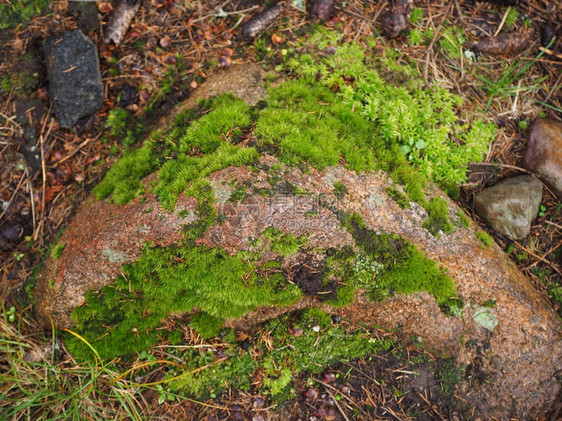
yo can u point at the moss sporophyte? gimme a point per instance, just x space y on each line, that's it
315 122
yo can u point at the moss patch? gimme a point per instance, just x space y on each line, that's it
284 244
485 238
121 318
393 264
57 251
279 359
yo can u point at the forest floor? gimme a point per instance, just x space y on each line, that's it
169 50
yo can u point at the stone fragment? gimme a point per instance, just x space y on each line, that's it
75 85
544 153
510 206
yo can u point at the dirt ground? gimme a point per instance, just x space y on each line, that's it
169 50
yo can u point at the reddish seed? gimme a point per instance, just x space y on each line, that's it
170 58
296 331
346 390
320 413
329 377
330 414
311 393
328 400
227 52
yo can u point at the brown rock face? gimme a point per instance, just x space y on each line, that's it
517 343
544 153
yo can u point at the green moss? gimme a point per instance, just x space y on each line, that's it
19 12
279 360
464 220
485 238
390 264
283 243
408 118
206 325
189 152
340 190
449 375
437 209
57 251
121 318
400 197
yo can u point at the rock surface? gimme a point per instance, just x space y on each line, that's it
75 85
514 346
511 205
544 153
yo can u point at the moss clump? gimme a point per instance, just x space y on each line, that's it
387 264
485 238
400 197
438 220
284 244
120 318
280 359
186 155
340 190
464 221
56 252
19 12
406 116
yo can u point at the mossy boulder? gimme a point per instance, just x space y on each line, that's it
238 215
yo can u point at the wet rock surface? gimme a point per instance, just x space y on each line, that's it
511 205
544 153
75 85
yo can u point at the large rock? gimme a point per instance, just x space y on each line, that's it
511 205
506 333
75 85
544 153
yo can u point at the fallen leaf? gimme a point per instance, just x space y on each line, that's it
276 39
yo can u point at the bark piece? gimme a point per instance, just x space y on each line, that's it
262 21
120 20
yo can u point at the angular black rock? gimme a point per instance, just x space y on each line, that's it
75 85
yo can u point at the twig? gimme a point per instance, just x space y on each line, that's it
549 263
532 265
554 224
14 193
432 43
503 21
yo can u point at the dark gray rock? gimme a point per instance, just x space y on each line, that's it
544 153
75 85
510 206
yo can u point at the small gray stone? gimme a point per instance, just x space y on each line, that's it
544 153
75 85
510 206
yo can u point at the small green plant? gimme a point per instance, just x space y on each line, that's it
542 211
449 375
485 238
117 120
57 251
20 12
